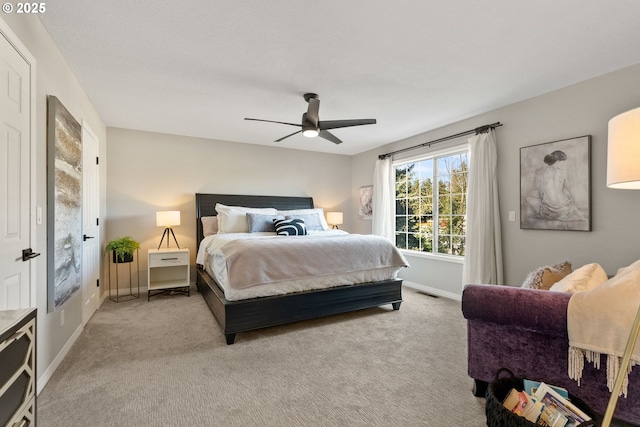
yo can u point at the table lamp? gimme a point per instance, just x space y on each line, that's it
623 171
334 219
168 219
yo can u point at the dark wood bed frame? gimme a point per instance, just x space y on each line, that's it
256 313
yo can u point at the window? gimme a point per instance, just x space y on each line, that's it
432 218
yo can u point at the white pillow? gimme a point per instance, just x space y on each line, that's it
233 219
295 212
584 278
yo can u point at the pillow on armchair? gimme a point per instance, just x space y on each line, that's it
585 278
547 276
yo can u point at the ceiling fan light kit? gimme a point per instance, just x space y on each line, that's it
310 133
311 125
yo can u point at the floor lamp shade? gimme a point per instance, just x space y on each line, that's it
623 151
623 172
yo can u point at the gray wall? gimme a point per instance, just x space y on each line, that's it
54 78
152 171
581 109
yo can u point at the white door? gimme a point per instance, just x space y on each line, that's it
16 289
90 223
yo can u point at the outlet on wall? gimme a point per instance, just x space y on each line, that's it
512 215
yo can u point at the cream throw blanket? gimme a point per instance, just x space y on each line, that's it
599 322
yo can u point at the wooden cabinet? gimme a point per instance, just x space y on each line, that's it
168 270
18 367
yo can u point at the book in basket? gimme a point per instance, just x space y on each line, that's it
553 400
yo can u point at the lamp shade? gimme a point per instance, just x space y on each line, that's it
334 218
167 218
623 151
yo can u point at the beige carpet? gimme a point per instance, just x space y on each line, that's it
166 363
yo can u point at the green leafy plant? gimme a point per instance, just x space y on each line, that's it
123 248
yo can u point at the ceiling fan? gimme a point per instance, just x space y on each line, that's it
311 125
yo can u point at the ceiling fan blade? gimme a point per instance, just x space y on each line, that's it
285 137
312 111
273 121
335 124
329 136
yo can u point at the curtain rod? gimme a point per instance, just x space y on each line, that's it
481 129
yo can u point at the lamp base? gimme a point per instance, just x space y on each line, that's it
166 233
623 371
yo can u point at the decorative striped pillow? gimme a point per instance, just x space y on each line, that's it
290 227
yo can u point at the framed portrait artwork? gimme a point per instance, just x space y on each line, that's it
365 210
64 203
555 185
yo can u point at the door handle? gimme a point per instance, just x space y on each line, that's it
85 237
28 254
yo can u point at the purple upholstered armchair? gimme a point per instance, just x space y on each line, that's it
525 330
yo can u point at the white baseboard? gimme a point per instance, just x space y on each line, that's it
433 291
48 373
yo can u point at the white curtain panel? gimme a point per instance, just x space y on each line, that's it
383 196
483 250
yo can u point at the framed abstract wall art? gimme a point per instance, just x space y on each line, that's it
555 185
64 204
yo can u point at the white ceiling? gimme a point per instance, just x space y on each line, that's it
199 67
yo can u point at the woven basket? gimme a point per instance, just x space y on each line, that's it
499 416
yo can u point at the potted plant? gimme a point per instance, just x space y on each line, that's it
123 249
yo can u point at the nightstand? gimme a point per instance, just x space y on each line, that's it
168 269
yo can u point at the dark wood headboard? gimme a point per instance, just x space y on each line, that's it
206 205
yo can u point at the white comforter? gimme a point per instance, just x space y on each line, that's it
212 244
212 256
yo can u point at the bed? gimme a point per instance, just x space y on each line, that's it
243 315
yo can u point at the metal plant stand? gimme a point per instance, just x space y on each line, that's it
124 297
